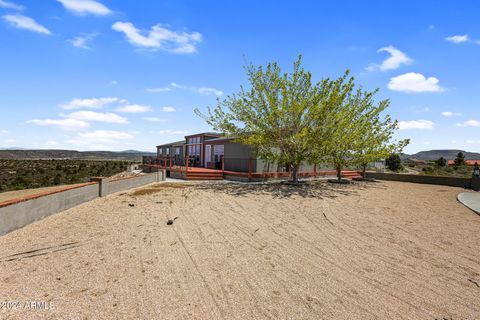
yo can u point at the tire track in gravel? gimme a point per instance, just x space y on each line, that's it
233 217
371 281
459 293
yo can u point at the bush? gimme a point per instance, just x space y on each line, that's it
394 163
441 162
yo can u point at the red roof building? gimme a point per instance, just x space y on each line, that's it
469 162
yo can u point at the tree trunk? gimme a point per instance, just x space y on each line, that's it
364 171
339 173
295 173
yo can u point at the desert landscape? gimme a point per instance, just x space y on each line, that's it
384 250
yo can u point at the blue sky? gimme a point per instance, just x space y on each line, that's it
116 75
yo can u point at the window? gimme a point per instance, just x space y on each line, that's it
159 150
177 151
193 140
168 151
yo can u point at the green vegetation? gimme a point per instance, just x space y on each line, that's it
460 160
441 162
393 162
26 174
289 119
448 171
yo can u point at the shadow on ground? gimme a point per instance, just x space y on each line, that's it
316 189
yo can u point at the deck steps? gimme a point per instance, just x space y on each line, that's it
204 175
350 175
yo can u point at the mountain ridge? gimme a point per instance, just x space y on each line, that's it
449 154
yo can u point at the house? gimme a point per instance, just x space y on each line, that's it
210 150
468 162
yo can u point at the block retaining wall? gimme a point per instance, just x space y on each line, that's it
20 212
444 181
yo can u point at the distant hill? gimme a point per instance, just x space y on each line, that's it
447 154
73 154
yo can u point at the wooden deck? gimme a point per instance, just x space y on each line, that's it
200 173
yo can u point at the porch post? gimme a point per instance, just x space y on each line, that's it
249 169
223 164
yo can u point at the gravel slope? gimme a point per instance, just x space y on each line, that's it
386 250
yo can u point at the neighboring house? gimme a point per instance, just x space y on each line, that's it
468 162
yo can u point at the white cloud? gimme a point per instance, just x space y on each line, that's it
66 124
159 37
472 141
414 82
93 103
458 38
209 91
200 90
82 41
113 82
176 85
105 136
83 7
168 109
415 124
3 131
164 89
153 119
172 132
10 5
396 59
23 22
451 114
96 116
469 123
10 140
134 108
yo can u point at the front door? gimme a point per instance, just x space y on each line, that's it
208 154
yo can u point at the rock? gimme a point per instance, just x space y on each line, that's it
170 221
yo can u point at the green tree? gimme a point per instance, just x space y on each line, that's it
57 179
354 131
460 160
441 162
273 116
393 162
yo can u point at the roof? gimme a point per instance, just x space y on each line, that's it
213 134
219 139
172 143
468 162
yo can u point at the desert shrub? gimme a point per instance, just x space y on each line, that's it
394 163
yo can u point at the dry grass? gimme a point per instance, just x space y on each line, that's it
159 188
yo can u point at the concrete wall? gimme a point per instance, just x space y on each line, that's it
17 213
129 183
445 181
22 213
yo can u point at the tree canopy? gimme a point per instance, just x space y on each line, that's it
289 119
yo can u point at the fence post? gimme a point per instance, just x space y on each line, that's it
186 166
102 185
315 170
249 169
